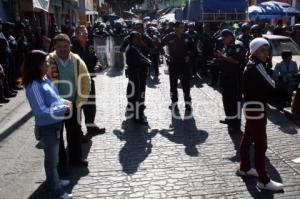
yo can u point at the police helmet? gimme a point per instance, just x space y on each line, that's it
255 29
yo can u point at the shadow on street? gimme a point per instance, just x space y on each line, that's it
185 132
138 145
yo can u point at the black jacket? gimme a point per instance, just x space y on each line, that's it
236 51
178 48
87 54
135 59
257 84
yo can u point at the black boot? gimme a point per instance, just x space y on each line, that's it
3 100
9 94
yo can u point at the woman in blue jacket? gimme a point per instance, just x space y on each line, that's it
49 111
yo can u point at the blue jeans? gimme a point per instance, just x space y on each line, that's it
49 137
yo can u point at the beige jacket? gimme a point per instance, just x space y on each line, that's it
82 77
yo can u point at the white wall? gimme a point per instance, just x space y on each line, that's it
89 5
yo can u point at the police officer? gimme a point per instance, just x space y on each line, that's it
3 61
5 55
87 54
119 31
152 33
100 31
256 31
245 37
215 68
194 39
233 62
146 48
208 48
178 55
138 64
8 30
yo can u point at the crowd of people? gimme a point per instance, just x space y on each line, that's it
59 80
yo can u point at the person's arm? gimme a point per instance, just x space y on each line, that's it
226 58
164 41
149 45
38 106
265 80
1 71
295 69
276 72
125 44
84 83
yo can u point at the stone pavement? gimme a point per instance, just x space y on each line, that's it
173 158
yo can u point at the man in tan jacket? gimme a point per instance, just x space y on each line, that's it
71 76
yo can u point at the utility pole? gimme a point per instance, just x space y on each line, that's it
82 16
293 19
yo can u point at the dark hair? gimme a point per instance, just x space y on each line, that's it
78 28
286 53
32 67
133 35
61 37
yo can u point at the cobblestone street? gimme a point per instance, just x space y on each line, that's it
191 157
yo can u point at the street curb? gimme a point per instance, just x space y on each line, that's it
12 126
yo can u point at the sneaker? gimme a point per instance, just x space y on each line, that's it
173 107
81 163
4 100
188 108
64 183
9 94
66 196
250 172
95 130
272 186
13 91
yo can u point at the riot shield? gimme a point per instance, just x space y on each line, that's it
102 50
118 58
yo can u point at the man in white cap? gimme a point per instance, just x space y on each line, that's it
257 84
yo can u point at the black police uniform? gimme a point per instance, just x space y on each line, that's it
155 56
148 41
231 77
89 57
215 67
194 39
137 63
207 51
246 39
178 49
5 54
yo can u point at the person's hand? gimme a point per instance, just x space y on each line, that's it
69 105
96 67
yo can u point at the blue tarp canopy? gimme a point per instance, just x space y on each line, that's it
2 12
271 10
193 9
228 6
